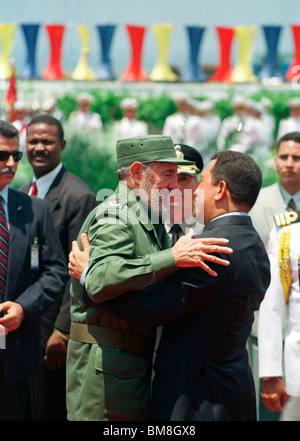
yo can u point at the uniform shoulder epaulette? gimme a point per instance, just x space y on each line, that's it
286 218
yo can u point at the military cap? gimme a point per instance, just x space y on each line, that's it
180 97
203 106
294 103
21 106
189 153
84 97
151 148
129 103
49 104
238 101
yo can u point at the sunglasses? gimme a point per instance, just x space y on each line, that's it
4 155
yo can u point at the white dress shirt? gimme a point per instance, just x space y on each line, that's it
44 183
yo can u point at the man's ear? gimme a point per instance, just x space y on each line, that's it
136 172
275 164
222 190
63 145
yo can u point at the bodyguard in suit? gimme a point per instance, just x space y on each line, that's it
34 276
291 123
202 369
70 200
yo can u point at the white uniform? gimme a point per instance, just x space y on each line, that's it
21 125
230 131
126 128
213 123
210 124
86 120
272 324
185 129
288 125
247 135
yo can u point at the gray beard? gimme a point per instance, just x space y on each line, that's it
158 201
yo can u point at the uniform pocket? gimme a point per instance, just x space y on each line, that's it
120 363
127 384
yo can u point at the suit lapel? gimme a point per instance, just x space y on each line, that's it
15 209
26 188
52 197
18 238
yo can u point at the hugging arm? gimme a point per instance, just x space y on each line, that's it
168 299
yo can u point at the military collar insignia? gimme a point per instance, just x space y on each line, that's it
286 218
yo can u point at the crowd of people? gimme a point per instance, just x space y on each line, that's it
147 305
250 129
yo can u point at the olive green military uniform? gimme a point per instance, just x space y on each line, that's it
109 360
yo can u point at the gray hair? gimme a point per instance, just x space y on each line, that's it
124 172
7 130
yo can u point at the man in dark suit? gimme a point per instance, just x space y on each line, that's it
70 200
33 276
201 366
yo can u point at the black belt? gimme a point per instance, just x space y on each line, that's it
126 340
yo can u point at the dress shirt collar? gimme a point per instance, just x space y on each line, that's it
45 182
4 194
287 196
233 213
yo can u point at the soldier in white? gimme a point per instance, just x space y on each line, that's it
246 131
175 124
49 105
279 364
266 113
231 128
292 123
259 131
129 126
204 109
275 198
207 127
22 115
183 126
83 118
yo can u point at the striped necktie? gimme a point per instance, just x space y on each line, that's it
4 243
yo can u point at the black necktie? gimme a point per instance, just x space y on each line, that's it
175 233
291 205
4 243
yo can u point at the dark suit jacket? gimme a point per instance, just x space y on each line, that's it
70 200
201 367
34 289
